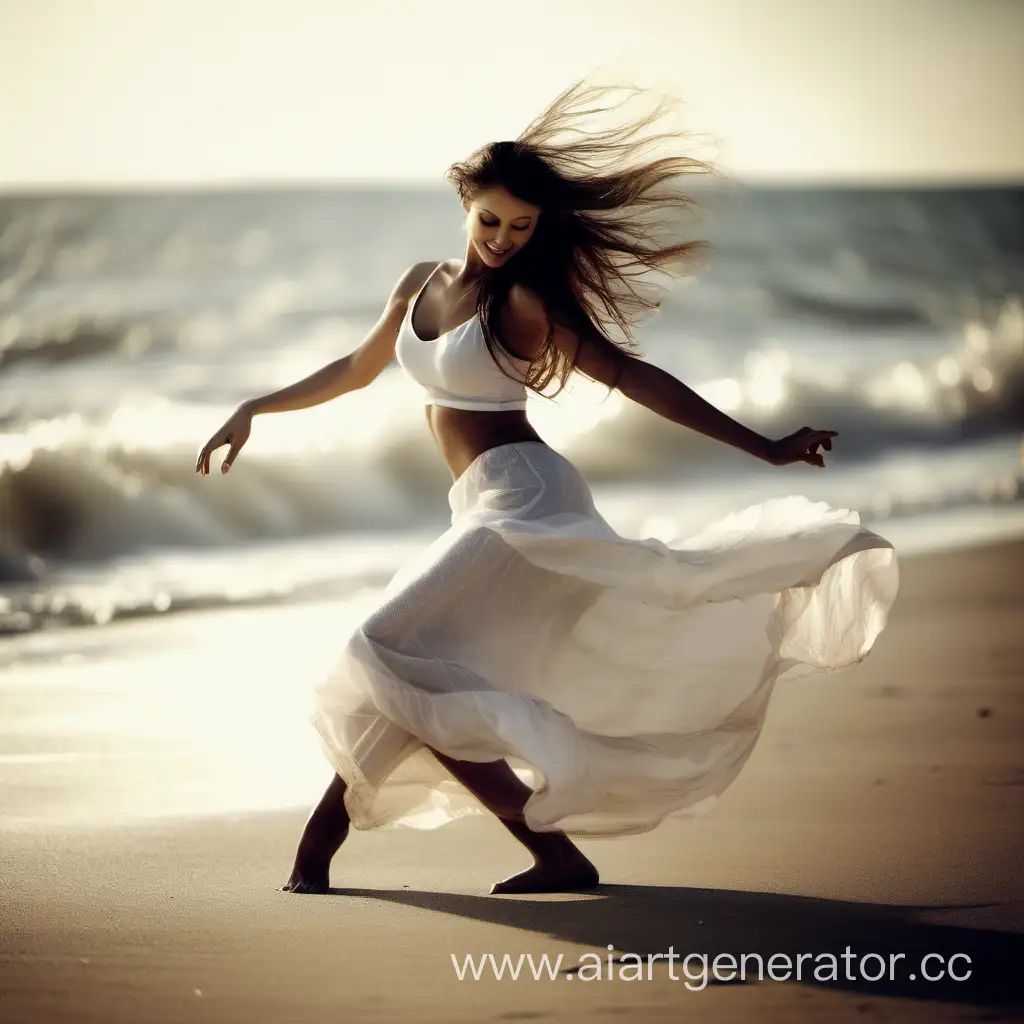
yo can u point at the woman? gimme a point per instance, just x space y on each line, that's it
627 680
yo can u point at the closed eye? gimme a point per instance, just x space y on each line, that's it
494 224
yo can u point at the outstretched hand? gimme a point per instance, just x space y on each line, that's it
801 447
234 432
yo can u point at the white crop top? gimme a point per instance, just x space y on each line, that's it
455 369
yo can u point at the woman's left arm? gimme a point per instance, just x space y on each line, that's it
659 391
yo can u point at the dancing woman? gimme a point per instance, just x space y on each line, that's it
626 680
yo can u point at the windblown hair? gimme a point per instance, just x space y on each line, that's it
603 198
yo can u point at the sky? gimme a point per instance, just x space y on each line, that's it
194 92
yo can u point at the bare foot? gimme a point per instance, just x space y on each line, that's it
311 883
562 874
311 873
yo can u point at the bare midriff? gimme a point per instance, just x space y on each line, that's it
463 434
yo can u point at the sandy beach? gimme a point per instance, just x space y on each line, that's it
800 214
881 812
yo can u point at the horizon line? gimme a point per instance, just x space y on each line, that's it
15 190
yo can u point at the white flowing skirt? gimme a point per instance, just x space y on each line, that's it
624 680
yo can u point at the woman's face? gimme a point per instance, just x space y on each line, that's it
499 225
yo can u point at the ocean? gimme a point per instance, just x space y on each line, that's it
132 324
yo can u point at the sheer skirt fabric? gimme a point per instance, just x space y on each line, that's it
624 679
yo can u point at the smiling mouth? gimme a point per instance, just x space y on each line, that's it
497 252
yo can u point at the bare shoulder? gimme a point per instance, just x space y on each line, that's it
524 304
378 348
528 325
411 281
525 322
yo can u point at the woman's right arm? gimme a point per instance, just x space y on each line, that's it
349 373
353 371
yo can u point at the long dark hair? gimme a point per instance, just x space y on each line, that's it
595 254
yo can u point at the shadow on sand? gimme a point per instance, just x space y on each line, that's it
645 919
